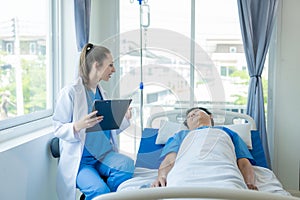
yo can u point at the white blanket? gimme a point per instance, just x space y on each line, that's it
206 159
142 178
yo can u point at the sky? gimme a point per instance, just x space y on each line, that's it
172 14
22 9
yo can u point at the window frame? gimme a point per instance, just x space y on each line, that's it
29 123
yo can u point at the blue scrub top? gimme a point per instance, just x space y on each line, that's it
97 143
241 149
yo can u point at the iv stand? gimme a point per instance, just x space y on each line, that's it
141 67
141 86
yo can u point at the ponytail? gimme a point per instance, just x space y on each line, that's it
84 69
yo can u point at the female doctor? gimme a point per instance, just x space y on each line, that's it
88 160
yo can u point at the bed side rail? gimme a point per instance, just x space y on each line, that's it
221 117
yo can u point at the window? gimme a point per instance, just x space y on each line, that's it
9 48
26 91
223 71
32 48
166 54
218 33
194 50
232 49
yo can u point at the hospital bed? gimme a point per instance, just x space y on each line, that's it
152 142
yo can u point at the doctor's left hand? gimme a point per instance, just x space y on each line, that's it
87 121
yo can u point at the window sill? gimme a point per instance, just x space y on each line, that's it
14 137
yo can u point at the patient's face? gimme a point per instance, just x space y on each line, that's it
197 118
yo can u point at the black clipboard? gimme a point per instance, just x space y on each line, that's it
113 111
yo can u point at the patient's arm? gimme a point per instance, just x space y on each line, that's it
164 168
247 172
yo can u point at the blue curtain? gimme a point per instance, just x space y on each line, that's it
82 11
257 19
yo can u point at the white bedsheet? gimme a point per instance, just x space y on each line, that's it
206 160
265 180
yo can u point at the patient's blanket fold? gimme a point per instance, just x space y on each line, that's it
206 158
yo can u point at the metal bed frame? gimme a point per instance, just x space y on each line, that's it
221 117
192 193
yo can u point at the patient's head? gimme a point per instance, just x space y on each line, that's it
197 117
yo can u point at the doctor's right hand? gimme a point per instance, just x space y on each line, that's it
87 121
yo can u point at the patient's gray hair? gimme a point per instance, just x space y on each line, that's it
200 108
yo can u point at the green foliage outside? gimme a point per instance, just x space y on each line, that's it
33 84
241 99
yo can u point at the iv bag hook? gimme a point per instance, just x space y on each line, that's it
145 23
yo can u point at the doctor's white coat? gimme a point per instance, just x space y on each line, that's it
71 106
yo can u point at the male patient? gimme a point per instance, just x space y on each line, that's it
237 171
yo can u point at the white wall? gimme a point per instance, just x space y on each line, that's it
28 171
286 96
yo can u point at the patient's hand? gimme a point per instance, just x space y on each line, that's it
161 181
251 186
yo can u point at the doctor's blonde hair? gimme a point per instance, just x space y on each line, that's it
89 55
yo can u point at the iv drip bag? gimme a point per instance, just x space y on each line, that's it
145 16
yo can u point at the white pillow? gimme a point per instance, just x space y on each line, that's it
168 129
244 131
